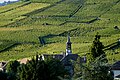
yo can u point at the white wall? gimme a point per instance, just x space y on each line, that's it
116 72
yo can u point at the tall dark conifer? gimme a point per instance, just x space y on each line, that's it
96 49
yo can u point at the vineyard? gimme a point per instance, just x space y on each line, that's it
41 26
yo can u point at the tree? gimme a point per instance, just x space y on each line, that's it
12 66
3 76
55 69
25 0
97 67
96 70
36 69
27 71
96 49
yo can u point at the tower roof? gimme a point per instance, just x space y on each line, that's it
116 66
68 39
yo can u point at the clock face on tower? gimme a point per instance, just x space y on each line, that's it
69 51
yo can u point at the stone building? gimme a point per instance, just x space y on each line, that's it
66 58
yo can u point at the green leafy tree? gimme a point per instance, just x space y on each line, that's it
12 69
55 69
41 70
3 76
27 71
96 70
97 67
25 0
12 66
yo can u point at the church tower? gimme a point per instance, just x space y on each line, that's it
68 46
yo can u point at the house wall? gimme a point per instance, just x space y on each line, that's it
1 69
116 79
116 72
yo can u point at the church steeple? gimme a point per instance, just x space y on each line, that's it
68 46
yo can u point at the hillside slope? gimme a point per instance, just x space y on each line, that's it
41 26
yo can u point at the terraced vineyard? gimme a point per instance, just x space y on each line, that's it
41 26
